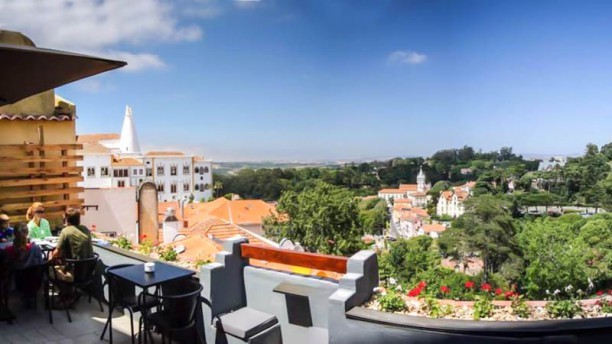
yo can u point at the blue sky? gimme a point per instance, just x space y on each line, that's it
308 80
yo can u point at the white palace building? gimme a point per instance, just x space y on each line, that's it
116 161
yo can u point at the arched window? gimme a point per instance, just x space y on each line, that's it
197 187
197 170
206 186
201 187
205 169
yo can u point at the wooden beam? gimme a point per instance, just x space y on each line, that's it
293 258
40 181
40 193
37 147
49 204
51 215
20 159
16 172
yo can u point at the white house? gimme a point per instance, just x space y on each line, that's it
416 193
451 201
116 161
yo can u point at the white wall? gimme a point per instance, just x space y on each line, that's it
97 161
117 210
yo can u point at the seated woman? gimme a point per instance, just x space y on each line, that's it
23 254
39 227
20 256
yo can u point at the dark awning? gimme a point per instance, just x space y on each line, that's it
25 71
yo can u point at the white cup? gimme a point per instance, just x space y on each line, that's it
149 267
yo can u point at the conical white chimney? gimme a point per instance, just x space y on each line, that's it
129 140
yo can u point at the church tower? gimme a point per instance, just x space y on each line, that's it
421 180
129 140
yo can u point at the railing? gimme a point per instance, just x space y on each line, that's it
293 258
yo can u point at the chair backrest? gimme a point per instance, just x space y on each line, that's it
182 306
120 288
83 270
29 279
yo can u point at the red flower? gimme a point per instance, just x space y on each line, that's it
444 289
509 294
415 292
498 291
144 236
422 284
599 293
469 284
485 287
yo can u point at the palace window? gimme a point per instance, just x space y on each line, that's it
160 170
91 171
160 187
197 187
118 173
149 172
135 171
185 187
206 186
173 188
185 169
205 169
121 183
197 170
104 171
173 170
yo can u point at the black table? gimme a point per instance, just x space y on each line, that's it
135 274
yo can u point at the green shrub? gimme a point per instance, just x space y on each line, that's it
563 309
392 302
483 308
122 242
520 308
200 262
435 310
167 254
606 306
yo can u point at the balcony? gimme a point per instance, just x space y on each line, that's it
306 308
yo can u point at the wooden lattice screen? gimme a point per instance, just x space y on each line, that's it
44 173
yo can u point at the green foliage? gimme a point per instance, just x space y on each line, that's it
373 215
409 259
201 262
435 310
323 218
483 308
122 242
606 305
520 308
563 309
392 302
485 227
167 254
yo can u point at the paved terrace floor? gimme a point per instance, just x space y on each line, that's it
32 326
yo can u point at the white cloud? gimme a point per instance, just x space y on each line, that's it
407 57
108 27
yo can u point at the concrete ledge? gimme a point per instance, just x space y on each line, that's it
510 329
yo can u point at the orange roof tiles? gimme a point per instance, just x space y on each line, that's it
95 148
447 194
127 162
402 201
197 247
408 187
393 191
434 227
226 231
93 138
164 153
420 211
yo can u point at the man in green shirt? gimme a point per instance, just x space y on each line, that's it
74 243
74 240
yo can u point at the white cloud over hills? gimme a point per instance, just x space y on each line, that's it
406 57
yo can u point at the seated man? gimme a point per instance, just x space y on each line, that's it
74 243
6 232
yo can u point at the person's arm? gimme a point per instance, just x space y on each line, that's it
46 229
57 253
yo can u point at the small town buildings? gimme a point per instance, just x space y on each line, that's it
552 163
416 193
451 201
116 161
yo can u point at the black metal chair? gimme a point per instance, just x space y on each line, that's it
83 272
177 313
29 280
122 294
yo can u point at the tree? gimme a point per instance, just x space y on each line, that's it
322 217
218 185
408 258
488 229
